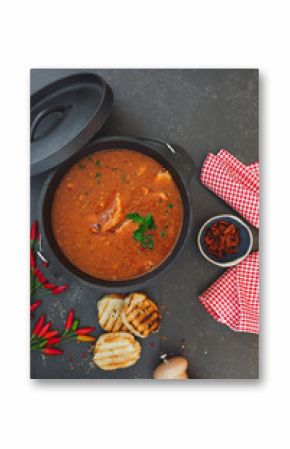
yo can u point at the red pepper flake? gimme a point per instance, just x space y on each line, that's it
222 238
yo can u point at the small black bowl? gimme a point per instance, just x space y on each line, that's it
244 248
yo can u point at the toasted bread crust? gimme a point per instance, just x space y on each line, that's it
109 313
116 350
140 315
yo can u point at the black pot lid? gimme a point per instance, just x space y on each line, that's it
65 115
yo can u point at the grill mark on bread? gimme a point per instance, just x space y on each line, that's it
126 356
110 354
115 338
118 325
133 313
109 313
148 319
132 359
140 314
116 350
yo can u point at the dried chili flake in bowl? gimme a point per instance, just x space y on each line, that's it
222 238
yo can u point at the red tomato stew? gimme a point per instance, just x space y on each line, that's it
117 214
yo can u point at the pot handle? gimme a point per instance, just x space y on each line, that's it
161 142
175 152
41 115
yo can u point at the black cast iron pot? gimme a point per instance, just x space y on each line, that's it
172 157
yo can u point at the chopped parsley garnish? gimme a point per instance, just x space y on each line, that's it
82 166
141 234
98 174
98 163
170 206
163 234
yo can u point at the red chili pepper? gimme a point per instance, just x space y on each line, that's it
34 305
48 285
44 330
45 263
85 338
59 289
39 325
32 259
50 334
52 351
39 275
84 330
33 231
53 341
70 319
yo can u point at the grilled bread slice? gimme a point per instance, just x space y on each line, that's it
140 315
116 350
109 313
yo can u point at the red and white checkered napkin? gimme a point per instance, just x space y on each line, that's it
237 184
234 298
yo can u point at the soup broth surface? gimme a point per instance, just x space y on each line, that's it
117 214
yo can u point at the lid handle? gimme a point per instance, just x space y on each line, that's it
44 113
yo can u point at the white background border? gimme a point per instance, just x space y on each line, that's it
198 34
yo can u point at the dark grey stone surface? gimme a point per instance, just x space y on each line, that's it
202 110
